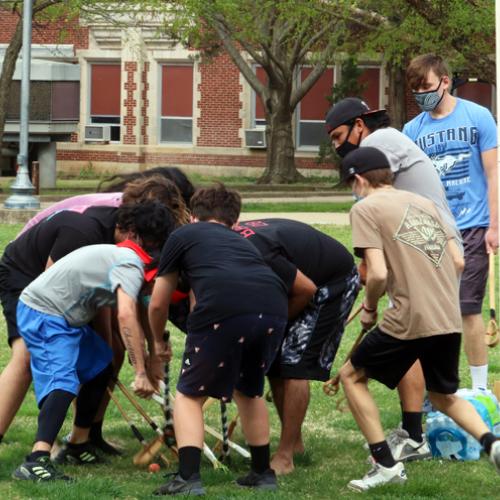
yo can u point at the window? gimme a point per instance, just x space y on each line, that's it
177 103
105 88
259 116
478 92
371 78
311 111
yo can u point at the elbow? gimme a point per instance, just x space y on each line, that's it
126 316
459 264
377 277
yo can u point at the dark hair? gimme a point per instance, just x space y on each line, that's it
374 121
160 189
379 177
174 174
419 68
216 202
150 220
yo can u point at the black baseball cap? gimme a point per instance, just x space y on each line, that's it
346 110
361 160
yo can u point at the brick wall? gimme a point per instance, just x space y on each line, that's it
130 119
220 105
145 104
64 30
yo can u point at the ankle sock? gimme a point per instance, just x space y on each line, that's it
487 440
412 424
35 455
1 437
95 433
189 461
479 376
382 454
260 458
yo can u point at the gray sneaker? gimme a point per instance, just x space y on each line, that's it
180 486
495 455
405 449
262 481
39 471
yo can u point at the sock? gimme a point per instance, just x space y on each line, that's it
1 437
382 454
260 458
95 433
77 446
487 440
189 461
35 455
412 424
479 375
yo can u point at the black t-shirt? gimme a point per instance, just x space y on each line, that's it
58 235
227 274
288 245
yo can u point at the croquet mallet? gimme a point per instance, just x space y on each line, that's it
492 337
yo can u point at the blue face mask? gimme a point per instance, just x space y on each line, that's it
428 101
357 197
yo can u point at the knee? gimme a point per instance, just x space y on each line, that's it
21 358
347 373
441 401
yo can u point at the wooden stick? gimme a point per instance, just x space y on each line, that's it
492 335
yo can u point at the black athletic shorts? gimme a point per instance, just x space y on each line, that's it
475 275
12 283
232 354
312 340
387 359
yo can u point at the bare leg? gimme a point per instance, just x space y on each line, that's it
361 403
254 419
475 347
295 402
411 389
15 380
461 411
188 420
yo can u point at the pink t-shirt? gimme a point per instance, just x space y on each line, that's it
76 204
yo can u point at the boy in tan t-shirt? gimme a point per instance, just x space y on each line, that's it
412 256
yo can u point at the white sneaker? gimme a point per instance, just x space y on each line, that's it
405 449
495 455
378 476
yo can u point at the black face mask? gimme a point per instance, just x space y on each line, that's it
346 147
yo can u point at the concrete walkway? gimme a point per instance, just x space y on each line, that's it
13 216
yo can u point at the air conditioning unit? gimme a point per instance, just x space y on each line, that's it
97 133
255 138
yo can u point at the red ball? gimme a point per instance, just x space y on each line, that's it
154 467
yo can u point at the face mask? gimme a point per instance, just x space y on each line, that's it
357 197
346 147
428 101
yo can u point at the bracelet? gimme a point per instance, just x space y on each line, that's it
367 309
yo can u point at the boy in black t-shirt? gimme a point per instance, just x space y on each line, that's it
234 332
322 283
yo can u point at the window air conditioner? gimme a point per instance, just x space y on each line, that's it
97 133
255 138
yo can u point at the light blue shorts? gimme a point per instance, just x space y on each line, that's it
62 356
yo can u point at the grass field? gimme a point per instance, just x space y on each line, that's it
334 445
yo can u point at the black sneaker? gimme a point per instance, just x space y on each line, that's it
105 447
39 470
81 454
180 486
263 481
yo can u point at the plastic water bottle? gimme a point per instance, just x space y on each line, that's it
448 440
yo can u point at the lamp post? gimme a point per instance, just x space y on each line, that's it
22 188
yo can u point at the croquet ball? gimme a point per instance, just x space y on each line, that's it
154 467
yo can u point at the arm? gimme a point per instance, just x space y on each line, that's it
133 338
301 293
489 159
376 281
158 307
456 255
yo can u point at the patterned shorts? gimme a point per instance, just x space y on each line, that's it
312 340
232 354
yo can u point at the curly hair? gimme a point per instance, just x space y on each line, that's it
178 177
150 220
160 189
216 202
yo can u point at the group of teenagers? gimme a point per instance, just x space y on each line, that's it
96 277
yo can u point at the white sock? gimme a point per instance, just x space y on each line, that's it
479 375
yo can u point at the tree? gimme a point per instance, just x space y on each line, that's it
280 37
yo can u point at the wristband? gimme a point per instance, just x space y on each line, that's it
368 310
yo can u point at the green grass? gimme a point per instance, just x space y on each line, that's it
297 206
334 455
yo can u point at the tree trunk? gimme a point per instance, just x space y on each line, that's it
8 68
397 95
280 160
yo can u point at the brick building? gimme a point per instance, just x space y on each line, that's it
160 106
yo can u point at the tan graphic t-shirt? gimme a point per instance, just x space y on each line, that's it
422 283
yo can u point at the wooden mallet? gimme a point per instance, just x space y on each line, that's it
492 337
